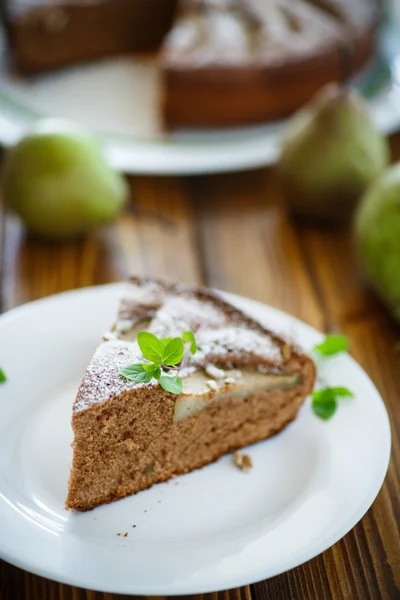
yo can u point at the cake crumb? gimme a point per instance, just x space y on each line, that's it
242 461
119 533
126 534
130 444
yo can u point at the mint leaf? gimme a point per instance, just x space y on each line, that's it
136 373
342 392
164 353
173 352
3 377
324 403
333 344
134 369
171 384
151 347
189 337
153 369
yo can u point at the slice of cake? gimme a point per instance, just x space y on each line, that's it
230 62
243 384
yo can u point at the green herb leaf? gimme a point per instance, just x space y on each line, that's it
173 352
151 347
3 377
153 369
333 344
136 373
166 341
324 403
189 337
157 372
342 392
171 384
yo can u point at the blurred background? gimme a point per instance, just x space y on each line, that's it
168 85
93 92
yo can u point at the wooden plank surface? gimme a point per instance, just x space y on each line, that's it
231 232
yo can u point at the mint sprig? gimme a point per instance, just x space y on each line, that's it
151 347
173 352
171 384
165 356
3 377
137 373
334 343
189 337
325 400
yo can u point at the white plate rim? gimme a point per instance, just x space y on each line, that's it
235 581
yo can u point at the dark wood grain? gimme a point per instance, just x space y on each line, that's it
231 232
248 246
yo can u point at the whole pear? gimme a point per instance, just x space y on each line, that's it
59 183
377 237
330 155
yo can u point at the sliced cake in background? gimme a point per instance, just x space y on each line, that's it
224 62
46 35
230 62
242 385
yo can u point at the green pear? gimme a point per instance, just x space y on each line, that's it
58 181
377 237
330 155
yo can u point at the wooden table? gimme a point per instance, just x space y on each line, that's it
231 232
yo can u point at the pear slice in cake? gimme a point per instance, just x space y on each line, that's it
243 384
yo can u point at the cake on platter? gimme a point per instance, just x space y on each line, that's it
222 62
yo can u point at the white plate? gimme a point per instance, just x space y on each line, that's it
213 529
119 100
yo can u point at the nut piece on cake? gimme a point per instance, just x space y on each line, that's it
121 427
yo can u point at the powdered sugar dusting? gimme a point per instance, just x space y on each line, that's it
216 332
182 313
236 339
102 378
222 334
